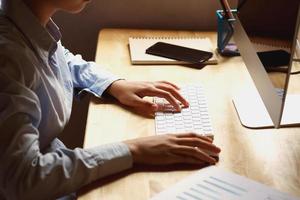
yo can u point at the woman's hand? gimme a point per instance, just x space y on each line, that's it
131 93
173 148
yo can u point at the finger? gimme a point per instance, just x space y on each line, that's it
194 152
166 95
188 160
187 135
215 155
143 104
171 84
174 92
197 142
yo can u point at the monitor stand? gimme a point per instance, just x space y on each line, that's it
253 113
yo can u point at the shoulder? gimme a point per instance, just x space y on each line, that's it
16 58
9 34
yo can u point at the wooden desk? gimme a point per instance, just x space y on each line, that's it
269 156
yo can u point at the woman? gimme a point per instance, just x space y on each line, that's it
37 79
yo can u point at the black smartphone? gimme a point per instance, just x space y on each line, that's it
180 53
274 59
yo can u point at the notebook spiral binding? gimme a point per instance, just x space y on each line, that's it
165 38
271 43
139 44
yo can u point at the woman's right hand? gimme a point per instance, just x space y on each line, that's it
173 148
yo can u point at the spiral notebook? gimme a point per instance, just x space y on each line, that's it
138 46
260 47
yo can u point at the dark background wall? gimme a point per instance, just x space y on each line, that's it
80 31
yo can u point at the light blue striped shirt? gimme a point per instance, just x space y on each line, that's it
37 79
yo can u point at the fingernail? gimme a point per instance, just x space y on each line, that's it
213 161
154 107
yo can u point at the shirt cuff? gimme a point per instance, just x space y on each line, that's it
111 158
100 86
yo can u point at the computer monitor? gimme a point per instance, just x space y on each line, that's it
266 26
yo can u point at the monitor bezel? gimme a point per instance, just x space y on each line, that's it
293 49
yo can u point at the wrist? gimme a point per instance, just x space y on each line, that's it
115 88
133 150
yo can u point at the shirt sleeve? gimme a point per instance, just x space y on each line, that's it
88 76
26 171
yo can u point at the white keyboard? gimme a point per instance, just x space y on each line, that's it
195 118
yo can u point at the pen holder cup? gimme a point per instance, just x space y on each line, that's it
225 33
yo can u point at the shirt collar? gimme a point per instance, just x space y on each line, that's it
43 39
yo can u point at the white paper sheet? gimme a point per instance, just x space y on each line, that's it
213 183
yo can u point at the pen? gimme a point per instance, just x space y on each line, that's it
226 9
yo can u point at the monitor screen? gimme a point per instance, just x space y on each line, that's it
267 28
269 18
270 26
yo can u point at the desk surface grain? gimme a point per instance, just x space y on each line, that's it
270 156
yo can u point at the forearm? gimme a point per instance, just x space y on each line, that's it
26 173
88 76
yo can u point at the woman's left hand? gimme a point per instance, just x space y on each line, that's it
131 93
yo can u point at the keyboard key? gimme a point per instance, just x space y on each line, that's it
195 118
